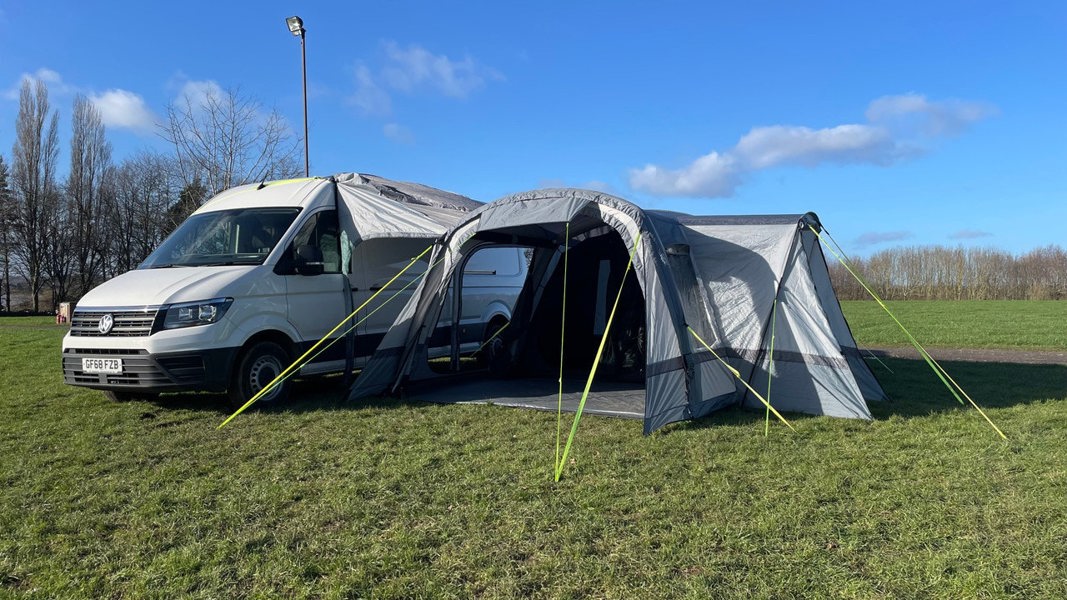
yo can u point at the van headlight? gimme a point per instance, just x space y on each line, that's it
191 314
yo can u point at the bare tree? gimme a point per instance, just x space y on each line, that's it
222 139
7 214
58 259
90 157
138 195
33 179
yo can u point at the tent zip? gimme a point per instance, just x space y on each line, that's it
596 361
770 370
938 370
787 270
299 362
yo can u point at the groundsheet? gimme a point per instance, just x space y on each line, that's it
609 398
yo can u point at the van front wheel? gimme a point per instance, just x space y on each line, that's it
258 366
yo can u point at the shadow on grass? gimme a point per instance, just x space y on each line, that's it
915 390
305 395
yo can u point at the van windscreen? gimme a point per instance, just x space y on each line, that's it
242 236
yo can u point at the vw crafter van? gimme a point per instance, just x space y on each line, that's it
261 272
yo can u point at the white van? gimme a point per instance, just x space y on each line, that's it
260 273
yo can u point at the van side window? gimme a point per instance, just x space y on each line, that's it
321 232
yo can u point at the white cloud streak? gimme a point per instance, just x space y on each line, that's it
414 67
898 128
872 238
50 78
969 234
414 70
398 133
370 98
124 109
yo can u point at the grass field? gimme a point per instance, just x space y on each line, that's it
964 324
392 499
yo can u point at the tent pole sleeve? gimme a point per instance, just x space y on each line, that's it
562 333
737 374
299 361
596 361
938 370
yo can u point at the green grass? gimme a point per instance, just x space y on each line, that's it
397 500
1030 325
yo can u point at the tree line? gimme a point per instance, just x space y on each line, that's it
60 235
943 273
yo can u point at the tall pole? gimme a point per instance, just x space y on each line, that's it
304 70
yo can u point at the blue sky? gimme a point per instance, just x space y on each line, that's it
899 123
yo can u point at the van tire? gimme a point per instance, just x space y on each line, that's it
258 365
495 353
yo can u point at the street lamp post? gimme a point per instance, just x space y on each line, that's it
296 27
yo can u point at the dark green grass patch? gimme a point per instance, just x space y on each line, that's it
1031 325
395 499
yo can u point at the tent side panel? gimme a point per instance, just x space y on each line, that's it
812 389
869 385
810 373
738 268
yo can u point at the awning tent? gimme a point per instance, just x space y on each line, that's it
723 277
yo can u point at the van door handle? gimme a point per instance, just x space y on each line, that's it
355 289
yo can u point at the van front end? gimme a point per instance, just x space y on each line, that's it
150 349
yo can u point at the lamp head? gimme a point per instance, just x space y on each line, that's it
296 25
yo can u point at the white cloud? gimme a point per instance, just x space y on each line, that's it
872 238
766 147
600 186
415 67
969 234
199 93
398 133
913 113
370 98
898 127
713 175
124 109
50 78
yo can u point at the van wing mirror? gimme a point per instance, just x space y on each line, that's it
308 260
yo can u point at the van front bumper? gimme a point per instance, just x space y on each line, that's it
204 370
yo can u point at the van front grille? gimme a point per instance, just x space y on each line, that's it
128 323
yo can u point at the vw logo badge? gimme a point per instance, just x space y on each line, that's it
106 323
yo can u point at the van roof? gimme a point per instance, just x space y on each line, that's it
287 192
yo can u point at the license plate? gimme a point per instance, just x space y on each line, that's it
102 365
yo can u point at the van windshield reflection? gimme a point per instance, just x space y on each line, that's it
227 237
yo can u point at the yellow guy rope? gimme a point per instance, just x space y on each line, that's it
491 338
737 374
370 314
940 371
297 363
596 362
